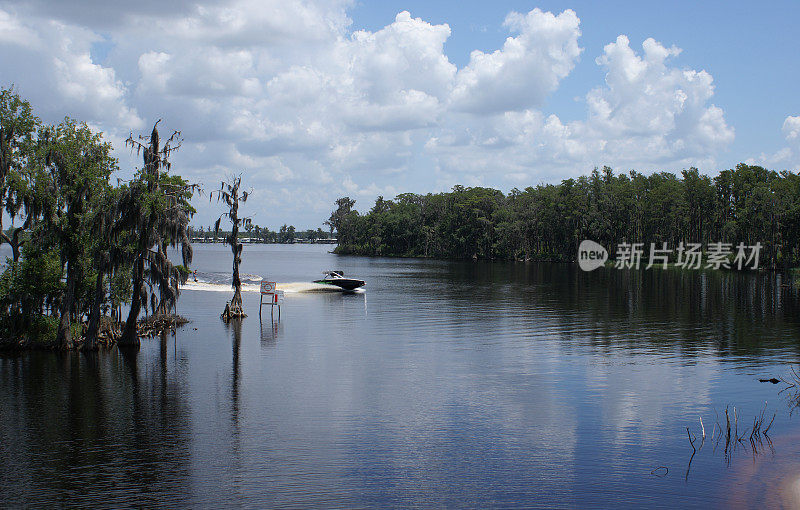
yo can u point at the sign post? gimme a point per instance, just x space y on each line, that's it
272 296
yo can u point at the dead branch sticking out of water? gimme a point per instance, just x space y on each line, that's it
792 390
794 381
756 435
692 439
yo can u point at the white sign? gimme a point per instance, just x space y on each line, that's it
268 287
277 298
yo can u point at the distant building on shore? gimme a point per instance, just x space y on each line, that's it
251 240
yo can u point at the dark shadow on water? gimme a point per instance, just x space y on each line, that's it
78 428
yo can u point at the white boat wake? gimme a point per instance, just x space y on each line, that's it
288 288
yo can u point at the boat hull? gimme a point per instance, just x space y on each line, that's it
344 283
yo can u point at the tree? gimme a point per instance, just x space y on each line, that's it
84 247
107 257
343 207
18 128
154 210
748 204
80 165
229 194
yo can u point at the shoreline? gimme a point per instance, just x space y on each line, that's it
148 327
791 272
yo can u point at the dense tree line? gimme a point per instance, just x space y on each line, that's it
82 246
747 204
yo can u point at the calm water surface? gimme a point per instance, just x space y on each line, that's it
443 384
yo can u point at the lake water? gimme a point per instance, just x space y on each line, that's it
442 384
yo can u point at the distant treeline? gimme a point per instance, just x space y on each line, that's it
748 204
287 234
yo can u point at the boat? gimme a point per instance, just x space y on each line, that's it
337 278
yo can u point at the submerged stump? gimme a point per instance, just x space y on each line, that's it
233 310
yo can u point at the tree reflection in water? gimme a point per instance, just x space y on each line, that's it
115 420
235 328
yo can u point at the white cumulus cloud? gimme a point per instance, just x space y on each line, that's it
649 103
788 157
648 115
53 61
526 69
308 108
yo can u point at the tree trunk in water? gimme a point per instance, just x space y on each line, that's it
130 335
233 310
237 282
64 335
94 316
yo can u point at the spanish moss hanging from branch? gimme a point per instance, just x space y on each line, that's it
229 193
155 211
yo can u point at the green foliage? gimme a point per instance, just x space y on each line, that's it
340 215
34 282
153 214
747 204
78 165
119 286
27 289
81 238
18 128
286 235
184 272
42 330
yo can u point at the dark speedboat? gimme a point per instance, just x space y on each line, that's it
337 278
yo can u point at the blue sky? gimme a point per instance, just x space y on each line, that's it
311 100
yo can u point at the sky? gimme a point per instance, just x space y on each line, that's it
313 100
